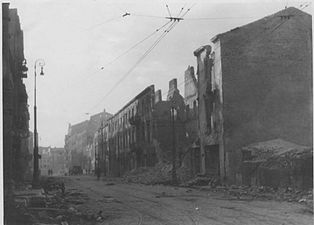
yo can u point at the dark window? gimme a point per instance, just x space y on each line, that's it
148 131
143 131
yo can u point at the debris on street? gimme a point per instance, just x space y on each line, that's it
54 204
160 174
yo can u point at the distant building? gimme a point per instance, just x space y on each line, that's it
45 160
53 159
79 139
254 84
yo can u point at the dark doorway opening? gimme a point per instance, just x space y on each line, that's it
212 160
195 160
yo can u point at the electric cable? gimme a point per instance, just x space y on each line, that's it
135 45
168 10
141 15
127 51
107 21
134 66
181 10
143 56
219 18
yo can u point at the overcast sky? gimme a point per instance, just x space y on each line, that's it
77 38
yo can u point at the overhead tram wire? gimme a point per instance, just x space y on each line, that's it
306 5
135 45
218 18
172 25
181 10
109 20
135 65
191 19
181 83
168 10
152 16
202 86
140 59
188 10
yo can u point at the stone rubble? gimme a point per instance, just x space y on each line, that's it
53 205
161 174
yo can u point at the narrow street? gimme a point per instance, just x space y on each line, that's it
124 203
157 113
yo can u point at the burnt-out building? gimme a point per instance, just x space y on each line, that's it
169 132
141 133
191 121
254 85
129 135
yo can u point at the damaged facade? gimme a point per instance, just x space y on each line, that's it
140 134
15 101
251 84
254 84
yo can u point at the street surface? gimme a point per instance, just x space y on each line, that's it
135 204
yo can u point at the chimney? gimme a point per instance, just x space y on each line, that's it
172 88
158 97
173 84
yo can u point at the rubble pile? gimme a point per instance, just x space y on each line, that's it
162 174
264 193
184 174
159 174
277 163
53 205
201 180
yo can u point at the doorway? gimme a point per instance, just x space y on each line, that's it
212 160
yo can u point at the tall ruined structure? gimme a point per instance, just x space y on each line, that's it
15 108
255 84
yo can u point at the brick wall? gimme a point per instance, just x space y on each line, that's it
267 82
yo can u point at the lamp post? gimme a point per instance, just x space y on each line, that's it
41 63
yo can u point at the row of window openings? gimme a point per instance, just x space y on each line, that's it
124 141
128 115
123 120
129 137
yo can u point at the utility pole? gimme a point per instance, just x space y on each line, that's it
174 152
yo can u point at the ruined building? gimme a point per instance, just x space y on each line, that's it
15 108
142 133
254 84
191 121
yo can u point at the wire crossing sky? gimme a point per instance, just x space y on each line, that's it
100 54
173 22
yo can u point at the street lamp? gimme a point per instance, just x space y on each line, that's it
41 63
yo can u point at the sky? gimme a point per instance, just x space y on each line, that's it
77 38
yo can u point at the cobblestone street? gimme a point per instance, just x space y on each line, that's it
124 203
